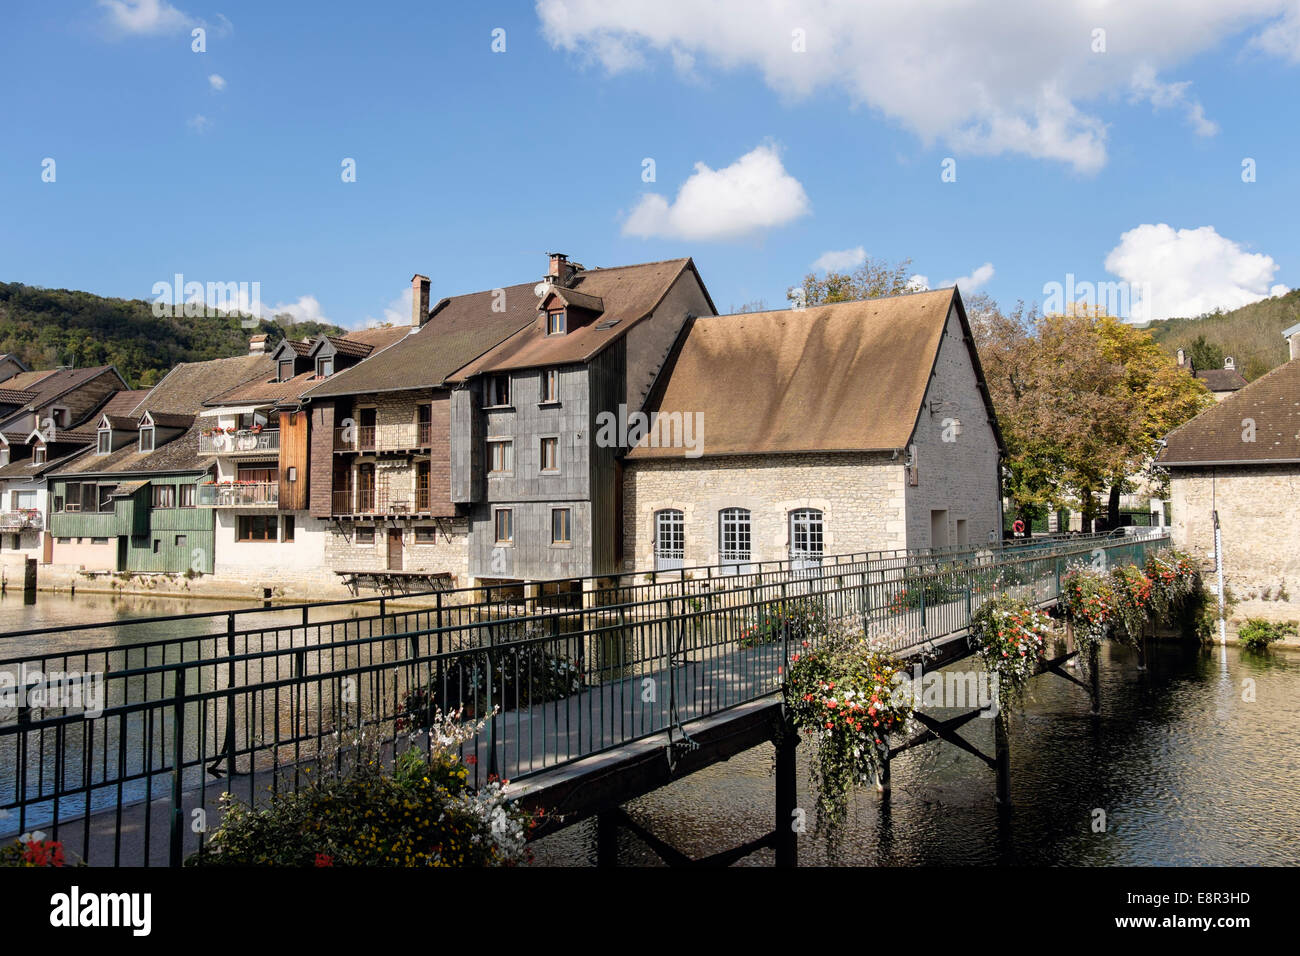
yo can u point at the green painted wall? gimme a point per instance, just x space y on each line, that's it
170 540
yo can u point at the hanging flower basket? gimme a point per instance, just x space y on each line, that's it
846 696
1010 637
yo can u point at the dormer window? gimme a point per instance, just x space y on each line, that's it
555 322
325 367
286 370
146 438
105 441
4 455
38 455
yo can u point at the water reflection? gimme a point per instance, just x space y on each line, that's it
1186 770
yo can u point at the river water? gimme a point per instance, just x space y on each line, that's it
1194 762
1186 770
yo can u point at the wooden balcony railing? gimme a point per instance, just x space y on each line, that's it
398 437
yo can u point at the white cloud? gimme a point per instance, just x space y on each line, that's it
1282 37
840 260
973 281
1176 273
145 16
397 312
1147 88
306 309
199 123
1017 76
752 194
217 82
918 283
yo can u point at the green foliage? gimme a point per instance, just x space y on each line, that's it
422 812
801 618
873 279
51 327
1258 633
521 673
1009 636
846 695
1252 335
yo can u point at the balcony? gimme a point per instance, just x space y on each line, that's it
243 441
372 438
239 494
25 520
372 502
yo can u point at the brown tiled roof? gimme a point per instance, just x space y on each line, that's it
186 387
127 423
347 346
627 294
1222 379
380 336
56 384
261 390
25 380
1216 436
581 300
171 420
16 396
181 393
844 377
124 402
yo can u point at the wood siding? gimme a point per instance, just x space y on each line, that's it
294 453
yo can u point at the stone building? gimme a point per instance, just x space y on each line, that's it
1240 460
1221 382
859 426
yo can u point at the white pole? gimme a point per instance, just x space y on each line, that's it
1218 567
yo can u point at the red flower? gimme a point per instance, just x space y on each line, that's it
324 859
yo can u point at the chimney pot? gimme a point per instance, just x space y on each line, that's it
419 300
561 269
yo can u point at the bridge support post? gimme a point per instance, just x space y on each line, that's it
1142 648
787 798
1002 759
1094 677
607 838
882 781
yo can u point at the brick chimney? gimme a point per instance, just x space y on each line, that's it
257 345
419 300
561 270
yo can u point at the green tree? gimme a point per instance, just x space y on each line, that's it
871 280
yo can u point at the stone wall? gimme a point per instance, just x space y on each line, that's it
862 497
1260 526
448 551
956 465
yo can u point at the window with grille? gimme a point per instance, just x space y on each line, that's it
806 533
670 539
734 536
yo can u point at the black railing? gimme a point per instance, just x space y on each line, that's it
568 674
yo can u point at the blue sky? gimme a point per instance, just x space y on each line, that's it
472 164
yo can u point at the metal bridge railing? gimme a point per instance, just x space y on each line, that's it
243 710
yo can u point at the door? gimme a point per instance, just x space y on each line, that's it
47 549
394 549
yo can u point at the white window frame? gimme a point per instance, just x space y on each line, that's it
669 539
738 525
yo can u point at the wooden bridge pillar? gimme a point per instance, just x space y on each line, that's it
1142 648
787 799
29 581
882 782
1002 759
1094 677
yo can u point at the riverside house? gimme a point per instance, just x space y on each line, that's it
536 452
858 426
1240 461
128 503
257 433
43 418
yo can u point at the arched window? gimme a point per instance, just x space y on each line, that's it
734 539
806 526
670 539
